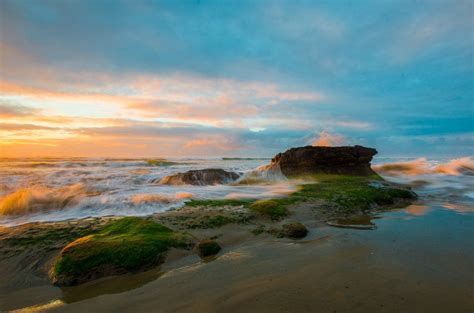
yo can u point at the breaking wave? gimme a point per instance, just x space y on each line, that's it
421 166
262 174
41 199
159 198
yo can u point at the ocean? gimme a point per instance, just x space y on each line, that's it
55 189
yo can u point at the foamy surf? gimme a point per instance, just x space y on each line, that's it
70 190
266 173
421 166
442 181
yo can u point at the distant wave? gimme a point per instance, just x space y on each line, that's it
244 159
160 162
421 166
40 164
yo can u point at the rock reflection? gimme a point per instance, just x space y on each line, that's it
355 222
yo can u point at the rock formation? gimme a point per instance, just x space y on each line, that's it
327 160
211 176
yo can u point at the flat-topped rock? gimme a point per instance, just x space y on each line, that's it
325 160
210 176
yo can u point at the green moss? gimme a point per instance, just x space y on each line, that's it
342 192
269 208
213 222
220 202
351 193
130 244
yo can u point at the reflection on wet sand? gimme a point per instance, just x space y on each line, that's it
355 222
111 285
40 307
460 208
417 209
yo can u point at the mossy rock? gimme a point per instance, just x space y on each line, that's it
269 208
127 245
294 230
353 193
208 247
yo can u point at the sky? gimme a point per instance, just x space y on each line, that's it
100 78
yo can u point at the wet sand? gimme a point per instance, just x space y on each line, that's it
412 262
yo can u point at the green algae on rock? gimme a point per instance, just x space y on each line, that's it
269 208
126 245
341 194
354 193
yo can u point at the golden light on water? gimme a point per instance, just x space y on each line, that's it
40 307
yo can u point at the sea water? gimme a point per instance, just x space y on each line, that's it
54 189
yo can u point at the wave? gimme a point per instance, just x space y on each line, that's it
160 162
41 199
147 198
150 198
421 166
244 159
39 164
262 174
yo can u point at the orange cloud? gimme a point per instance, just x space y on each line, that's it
215 143
327 140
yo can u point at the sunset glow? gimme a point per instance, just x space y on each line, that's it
251 86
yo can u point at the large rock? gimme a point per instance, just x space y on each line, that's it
211 176
127 245
328 160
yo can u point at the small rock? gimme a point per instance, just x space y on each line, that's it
294 230
210 176
208 247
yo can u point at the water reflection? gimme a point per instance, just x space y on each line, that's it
459 208
417 209
355 222
109 285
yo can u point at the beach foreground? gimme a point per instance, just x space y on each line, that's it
396 267
339 243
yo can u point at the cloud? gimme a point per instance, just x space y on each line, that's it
326 139
205 69
217 143
10 110
360 125
16 127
